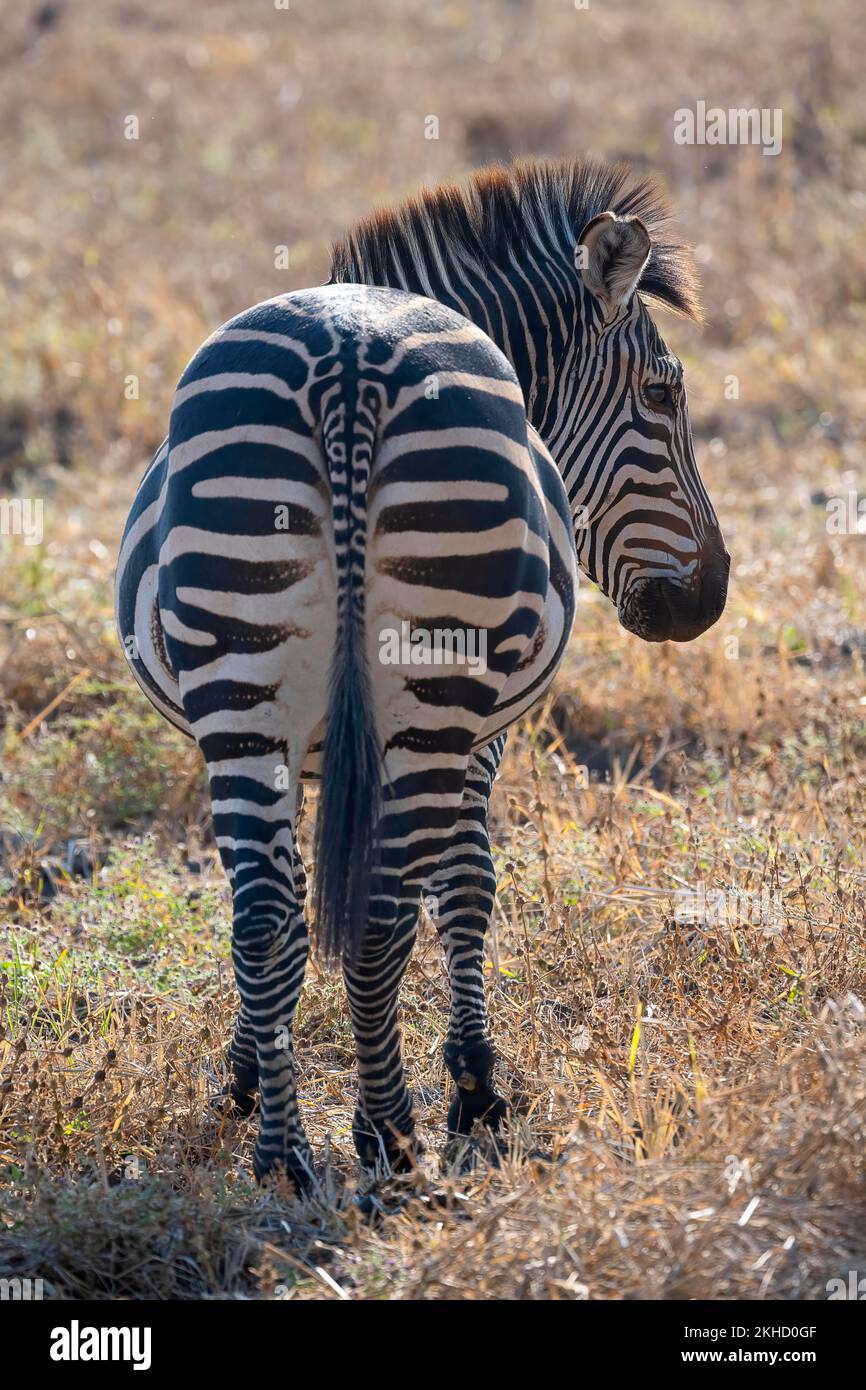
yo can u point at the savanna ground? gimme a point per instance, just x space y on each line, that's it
699 1086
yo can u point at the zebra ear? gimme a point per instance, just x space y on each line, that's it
612 253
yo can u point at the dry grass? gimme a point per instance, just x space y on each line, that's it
700 1091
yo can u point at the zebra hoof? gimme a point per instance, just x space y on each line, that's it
244 1075
370 1206
240 1091
270 1170
384 1162
242 1102
482 1106
230 1099
383 1150
475 1119
375 1206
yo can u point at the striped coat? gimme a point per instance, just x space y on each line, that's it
354 559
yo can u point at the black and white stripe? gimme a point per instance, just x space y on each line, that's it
344 461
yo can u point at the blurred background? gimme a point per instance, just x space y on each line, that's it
159 162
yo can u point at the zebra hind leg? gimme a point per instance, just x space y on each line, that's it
243 1066
241 1055
255 832
384 1124
462 890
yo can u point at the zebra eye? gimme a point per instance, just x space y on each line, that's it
662 395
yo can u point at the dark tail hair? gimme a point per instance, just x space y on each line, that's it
350 797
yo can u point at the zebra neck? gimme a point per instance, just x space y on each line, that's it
532 310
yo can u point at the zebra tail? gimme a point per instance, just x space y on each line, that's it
351 769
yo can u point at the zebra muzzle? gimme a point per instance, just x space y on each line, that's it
665 611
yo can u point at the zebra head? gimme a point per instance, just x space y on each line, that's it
600 386
645 529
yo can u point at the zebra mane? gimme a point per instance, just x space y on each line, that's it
543 204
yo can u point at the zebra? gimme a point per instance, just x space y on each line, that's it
476 405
